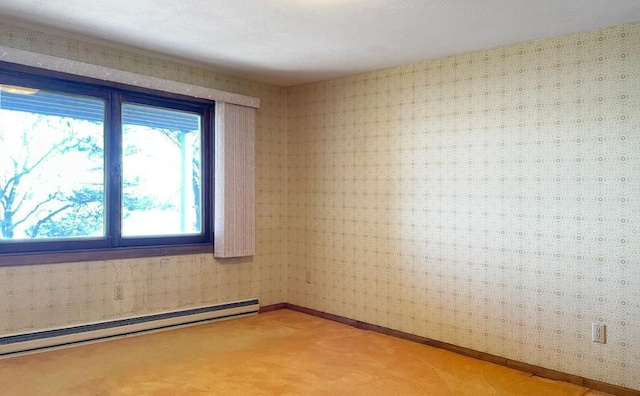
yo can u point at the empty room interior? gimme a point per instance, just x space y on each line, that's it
320 197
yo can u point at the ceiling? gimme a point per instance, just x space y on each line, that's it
290 42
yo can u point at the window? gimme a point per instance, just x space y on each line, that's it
87 166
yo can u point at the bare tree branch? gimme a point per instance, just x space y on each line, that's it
49 199
36 227
25 169
173 137
55 147
22 200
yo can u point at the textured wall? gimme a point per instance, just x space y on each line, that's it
490 200
43 296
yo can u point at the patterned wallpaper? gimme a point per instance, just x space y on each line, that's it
489 200
44 296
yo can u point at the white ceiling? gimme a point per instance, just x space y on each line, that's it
289 42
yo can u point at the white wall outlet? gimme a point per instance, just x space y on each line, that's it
119 293
598 332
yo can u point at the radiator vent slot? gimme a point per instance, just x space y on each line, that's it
67 336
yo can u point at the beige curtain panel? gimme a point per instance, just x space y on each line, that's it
234 212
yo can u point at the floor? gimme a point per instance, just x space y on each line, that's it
277 353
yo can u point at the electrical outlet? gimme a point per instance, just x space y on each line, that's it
119 294
598 332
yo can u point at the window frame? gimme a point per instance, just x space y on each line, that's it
113 246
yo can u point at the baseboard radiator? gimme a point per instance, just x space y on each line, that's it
67 336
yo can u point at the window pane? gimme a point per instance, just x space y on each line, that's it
161 173
51 165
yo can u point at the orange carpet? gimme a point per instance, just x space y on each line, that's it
276 353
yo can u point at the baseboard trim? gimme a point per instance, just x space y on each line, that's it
525 367
272 307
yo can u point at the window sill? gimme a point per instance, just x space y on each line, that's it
9 260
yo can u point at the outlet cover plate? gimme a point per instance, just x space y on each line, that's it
598 332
